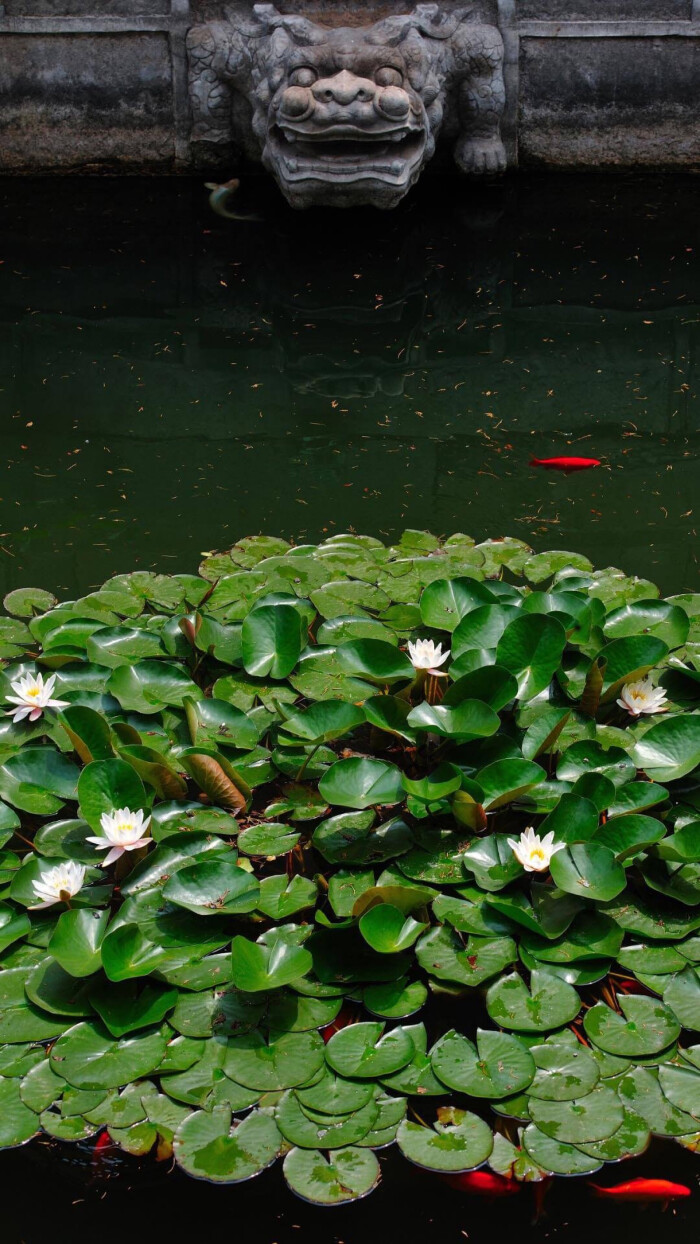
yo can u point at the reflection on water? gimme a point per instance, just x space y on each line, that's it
142 1202
171 380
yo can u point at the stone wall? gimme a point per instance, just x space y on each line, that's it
101 85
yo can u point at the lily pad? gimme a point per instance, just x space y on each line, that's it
207 1146
460 1144
347 1175
498 1066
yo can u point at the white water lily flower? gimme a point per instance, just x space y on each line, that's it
123 830
642 697
58 883
425 655
533 852
32 696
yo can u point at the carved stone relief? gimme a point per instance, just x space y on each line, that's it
349 116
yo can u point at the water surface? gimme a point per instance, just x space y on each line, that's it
171 381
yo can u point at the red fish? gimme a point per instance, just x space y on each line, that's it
483 1183
644 1190
346 1015
565 464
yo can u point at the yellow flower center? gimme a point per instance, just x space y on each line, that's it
537 853
33 692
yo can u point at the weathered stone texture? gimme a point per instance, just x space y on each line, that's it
85 8
69 102
604 10
586 102
101 85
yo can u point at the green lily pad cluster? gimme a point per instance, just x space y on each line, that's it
327 941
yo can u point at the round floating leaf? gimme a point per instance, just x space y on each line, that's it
442 953
395 999
17 1122
324 721
588 756
389 713
106 785
76 940
272 641
649 617
564 1071
589 871
492 685
333 1094
214 887
631 1139
360 1050
531 647
492 861
549 1002
87 1056
121 645
322 1131
360 782
640 1091
498 1066
506 780
670 748
24 602
644 1027
461 1143
468 719
443 781
682 995
270 840
348 1175
388 931
53 990
375 659
257 967
208 1147
629 659
628 834
131 1005
681 1085
219 724
581 1121
280 898
446 601
555 1157
481 628
149 686
285 1061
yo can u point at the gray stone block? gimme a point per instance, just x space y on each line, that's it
603 10
80 101
85 8
609 102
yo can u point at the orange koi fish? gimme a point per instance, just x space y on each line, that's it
644 1190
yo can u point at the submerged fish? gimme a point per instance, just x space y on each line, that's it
644 1190
565 464
221 197
346 1015
483 1183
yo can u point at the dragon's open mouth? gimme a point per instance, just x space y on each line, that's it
347 153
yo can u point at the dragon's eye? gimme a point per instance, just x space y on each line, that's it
388 76
303 76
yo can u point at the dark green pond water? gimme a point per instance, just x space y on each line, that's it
171 381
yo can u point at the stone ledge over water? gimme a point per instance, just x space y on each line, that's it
102 85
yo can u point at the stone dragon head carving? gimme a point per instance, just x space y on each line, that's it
349 116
